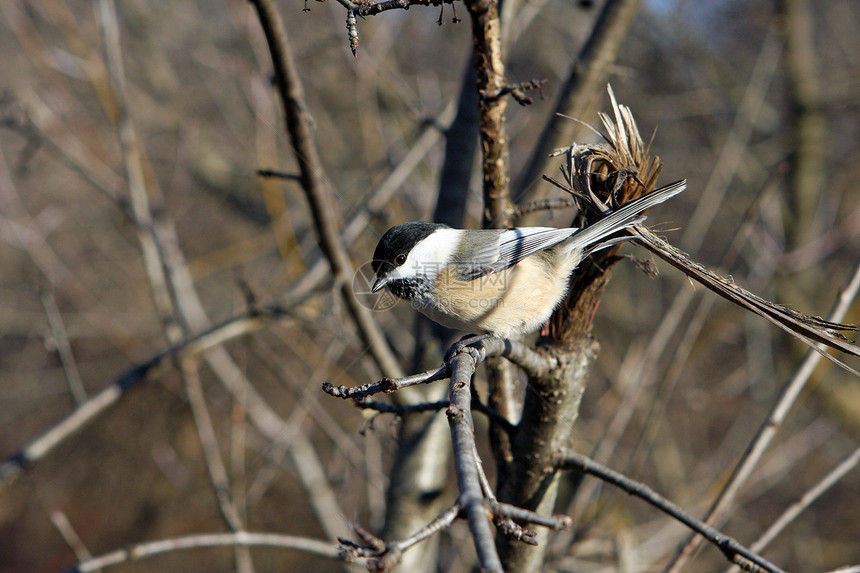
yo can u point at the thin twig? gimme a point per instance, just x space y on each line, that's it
275 174
209 444
733 551
530 360
386 385
402 409
554 522
517 91
152 245
374 8
387 556
306 398
241 538
64 349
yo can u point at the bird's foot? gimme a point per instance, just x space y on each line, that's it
464 342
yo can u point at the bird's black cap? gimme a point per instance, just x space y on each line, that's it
399 240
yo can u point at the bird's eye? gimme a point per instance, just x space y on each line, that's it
400 259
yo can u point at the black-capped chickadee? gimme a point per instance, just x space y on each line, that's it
499 282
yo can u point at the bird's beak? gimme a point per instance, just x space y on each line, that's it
380 284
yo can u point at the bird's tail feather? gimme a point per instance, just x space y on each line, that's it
625 216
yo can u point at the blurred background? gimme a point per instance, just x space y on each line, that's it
754 102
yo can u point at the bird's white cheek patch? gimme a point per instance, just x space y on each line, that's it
430 255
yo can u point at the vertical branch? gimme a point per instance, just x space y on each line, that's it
549 413
460 144
417 482
808 158
466 463
588 74
172 288
489 68
490 71
552 404
314 183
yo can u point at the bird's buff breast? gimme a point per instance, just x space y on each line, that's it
516 300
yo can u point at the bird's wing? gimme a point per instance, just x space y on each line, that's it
498 250
503 249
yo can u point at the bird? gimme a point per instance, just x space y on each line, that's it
495 282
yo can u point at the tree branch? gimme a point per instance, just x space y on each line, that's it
767 431
387 556
238 539
548 204
369 8
315 185
490 72
386 385
734 551
463 438
586 78
791 512
88 411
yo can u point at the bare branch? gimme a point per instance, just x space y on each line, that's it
64 349
767 431
85 413
733 551
795 509
370 8
278 174
238 539
401 409
490 71
209 444
463 438
316 187
554 522
386 385
70 536
530 360
388 555
517 91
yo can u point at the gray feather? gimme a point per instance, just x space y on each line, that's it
491 250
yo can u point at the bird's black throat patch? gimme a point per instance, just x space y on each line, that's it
409 289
